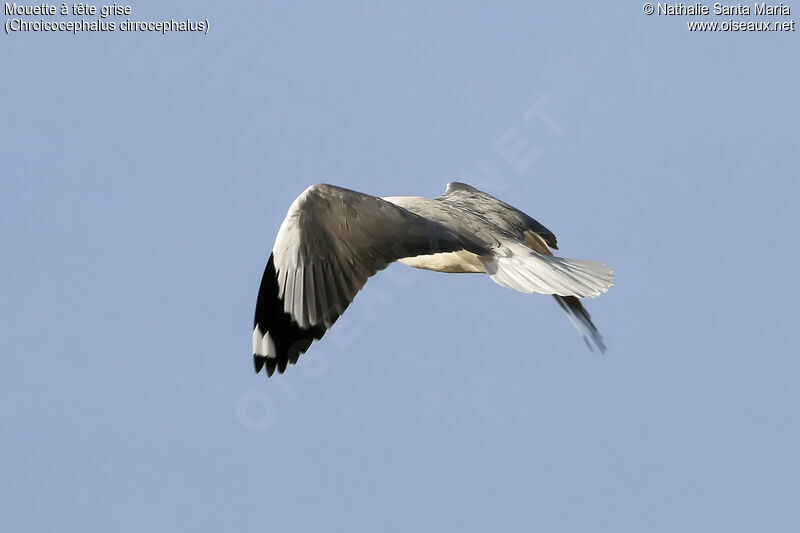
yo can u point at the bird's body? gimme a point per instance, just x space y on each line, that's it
334 239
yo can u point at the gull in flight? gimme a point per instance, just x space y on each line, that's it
333 239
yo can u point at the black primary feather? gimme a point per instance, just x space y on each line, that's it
290 339
580 317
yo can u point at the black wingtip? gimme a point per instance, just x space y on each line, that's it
582 320
260 361
289 339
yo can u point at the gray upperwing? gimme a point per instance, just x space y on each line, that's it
499 213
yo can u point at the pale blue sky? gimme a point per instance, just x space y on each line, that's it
143 181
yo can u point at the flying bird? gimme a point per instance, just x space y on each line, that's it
333 239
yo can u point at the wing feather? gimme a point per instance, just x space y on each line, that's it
311 295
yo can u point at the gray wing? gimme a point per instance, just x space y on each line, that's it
331 241
495 211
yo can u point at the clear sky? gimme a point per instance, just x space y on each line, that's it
143 181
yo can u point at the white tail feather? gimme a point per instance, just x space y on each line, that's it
527 271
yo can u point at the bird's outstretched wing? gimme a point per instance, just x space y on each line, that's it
331 241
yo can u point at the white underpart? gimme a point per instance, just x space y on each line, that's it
450 262
262 343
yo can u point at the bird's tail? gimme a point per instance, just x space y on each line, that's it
527 271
